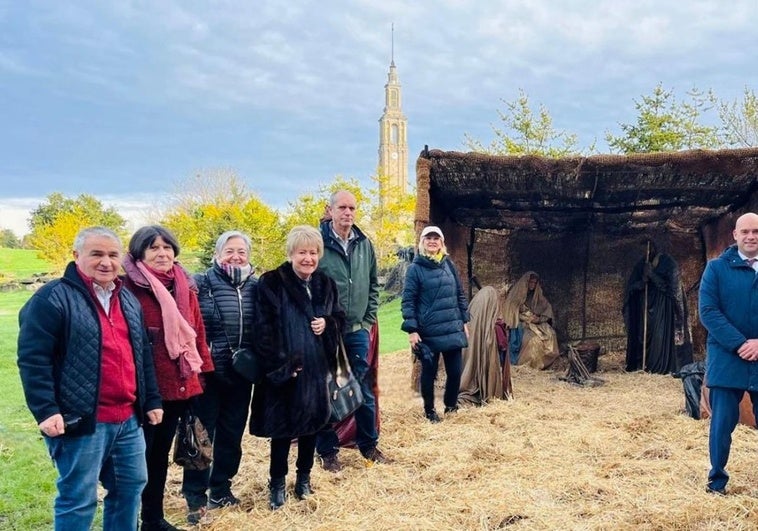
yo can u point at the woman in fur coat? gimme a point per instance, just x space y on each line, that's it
298 323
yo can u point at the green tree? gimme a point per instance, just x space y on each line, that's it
526 132
739 120
55 222
8 239
214 201
665 124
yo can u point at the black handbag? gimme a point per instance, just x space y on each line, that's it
246 364
345 394
193 449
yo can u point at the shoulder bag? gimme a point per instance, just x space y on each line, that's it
244 360
345 394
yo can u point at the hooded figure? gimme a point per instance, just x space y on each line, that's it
486 375
666 335
529 314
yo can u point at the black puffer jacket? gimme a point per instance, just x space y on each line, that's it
59 345
434 304
227 315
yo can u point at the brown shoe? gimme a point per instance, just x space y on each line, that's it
375 455
331 463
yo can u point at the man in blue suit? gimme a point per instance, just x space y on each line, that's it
729 312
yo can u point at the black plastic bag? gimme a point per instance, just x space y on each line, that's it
692 380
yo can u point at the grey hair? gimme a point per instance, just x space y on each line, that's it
89 232
333 197
228 235
302 236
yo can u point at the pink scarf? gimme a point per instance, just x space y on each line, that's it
178 335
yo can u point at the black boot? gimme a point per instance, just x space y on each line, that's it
429 411
276 493
303 485
432 416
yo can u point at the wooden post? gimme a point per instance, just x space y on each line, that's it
644 309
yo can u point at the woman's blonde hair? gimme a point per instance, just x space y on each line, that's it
304 236
423 251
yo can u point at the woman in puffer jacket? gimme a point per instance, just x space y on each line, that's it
227 297
435 316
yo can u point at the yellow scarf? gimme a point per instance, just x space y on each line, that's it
436 257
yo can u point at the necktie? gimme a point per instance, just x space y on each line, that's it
751 261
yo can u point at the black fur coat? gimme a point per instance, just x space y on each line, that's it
287 406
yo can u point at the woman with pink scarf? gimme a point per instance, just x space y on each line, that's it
180 354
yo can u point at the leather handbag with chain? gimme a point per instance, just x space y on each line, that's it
345 394
193 448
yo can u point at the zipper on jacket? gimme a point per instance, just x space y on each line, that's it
241 321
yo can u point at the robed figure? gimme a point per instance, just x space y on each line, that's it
662 327
486 371
529 316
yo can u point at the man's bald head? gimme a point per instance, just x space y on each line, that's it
746 234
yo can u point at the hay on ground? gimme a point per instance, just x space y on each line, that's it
620 456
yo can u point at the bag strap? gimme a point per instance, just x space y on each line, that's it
217 311
454 272
342 361
343 364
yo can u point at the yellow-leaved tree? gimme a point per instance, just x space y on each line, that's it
390 219
215 201
56 221
310 207
384 213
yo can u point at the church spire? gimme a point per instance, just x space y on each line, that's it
393 143
392 54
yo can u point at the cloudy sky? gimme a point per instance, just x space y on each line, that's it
124 100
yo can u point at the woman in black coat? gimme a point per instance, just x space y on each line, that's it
435 313
298 324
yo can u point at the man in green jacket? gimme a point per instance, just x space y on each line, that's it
349 258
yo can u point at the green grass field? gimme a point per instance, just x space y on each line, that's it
391 338
27 482
21 263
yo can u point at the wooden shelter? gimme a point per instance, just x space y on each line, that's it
580 223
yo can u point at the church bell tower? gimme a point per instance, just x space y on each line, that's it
393 142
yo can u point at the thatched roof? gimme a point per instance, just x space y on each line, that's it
618 193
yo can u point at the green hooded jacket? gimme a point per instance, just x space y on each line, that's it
355 274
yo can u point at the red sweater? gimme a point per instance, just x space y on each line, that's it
170 384
118 375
